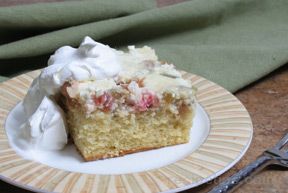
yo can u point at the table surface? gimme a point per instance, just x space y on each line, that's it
267 102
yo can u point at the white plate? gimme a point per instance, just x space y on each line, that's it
137 162
220 136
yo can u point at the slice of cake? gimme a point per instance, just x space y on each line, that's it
147 105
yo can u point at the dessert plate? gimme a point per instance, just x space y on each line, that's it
221 134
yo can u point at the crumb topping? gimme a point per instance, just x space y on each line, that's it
143 84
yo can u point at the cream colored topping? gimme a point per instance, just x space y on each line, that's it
167 70
96 86
159 83
136 62
136 55
143 63
135 91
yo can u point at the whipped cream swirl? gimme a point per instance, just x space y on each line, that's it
91 60
45 127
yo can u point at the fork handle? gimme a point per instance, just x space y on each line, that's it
237 179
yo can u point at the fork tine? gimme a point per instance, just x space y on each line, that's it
282 142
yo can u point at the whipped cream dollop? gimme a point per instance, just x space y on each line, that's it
46 128
92 60
45 125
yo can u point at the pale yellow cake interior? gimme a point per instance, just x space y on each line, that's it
104 135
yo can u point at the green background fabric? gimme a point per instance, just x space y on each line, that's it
231 42
3 78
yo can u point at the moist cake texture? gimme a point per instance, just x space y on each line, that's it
147 105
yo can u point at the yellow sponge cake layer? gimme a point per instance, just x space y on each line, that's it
103 135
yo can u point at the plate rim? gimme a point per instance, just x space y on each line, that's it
217 174
244 149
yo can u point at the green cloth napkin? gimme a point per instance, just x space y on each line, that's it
231 42
2 78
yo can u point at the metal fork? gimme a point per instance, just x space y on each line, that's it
277 155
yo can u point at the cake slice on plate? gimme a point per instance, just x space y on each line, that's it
147 105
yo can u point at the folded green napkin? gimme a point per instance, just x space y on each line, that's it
2 78
231 42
